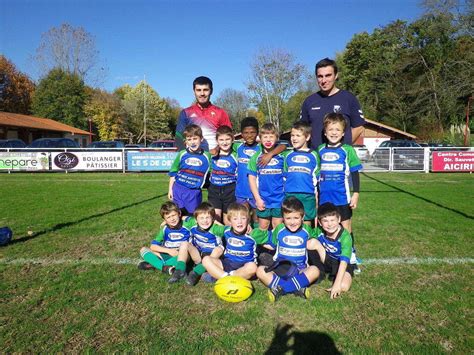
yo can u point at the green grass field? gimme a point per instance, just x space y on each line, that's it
73 284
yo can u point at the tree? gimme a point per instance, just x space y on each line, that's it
106 113
143 107
236 103
16 88
71 49
61 96
275 76
175 110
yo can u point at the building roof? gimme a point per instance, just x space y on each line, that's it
18 120
390 128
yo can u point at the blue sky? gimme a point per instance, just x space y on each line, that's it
172 42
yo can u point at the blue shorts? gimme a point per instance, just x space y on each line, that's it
186 198
230 265
244 200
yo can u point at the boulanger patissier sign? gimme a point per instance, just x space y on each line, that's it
87 161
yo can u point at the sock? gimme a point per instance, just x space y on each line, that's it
353 243
181 265
225 274
274 282
199 269
295 283
231 273
171 261
152 259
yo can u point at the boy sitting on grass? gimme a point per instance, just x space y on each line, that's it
168 251
206 240
290 273
331 251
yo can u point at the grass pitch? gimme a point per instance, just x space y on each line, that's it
72 285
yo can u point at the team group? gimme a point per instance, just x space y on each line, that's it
279 189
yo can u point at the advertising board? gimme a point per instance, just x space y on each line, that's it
453 161
87 161
150 161
24 161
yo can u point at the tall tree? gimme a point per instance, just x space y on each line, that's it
236 103
16 88
71 49
275 76
61 96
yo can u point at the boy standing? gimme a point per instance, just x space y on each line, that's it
266 183
169 248
290 241
188 172
333 250
221 190
302 170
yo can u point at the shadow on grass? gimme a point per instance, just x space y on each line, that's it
461 213
303 343
60 226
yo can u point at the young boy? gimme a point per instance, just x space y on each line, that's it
333 250
206 240
339 163
169 249
266 183
188 172
221 190
302 170
239 253
290 241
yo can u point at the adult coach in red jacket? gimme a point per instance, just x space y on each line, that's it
203 113
331 99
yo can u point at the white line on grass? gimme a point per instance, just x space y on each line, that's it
131 261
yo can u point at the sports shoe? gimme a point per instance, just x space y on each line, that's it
206 277
302 292
167 269
275 293
145 266
177 275
192 279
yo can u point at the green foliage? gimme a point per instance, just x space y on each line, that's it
61 96
16 88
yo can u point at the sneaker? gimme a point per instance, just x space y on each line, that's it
206 277
145 266
275 293
357 269
177 275
167 269
303 293
192 279
353 260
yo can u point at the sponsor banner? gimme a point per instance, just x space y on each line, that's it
150 161
453 161
87 161
26 161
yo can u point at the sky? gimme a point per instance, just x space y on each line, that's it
169 43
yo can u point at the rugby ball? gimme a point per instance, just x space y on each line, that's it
233 289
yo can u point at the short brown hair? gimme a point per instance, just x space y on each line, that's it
292 204
334 118
192 130
224 131
205 208
326 210
303 127
237 208
269 128
168 207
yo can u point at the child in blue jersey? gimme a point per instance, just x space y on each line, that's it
239 254
333 248
221 190
290 241
188 172
302 170
206 236
266 182
169 249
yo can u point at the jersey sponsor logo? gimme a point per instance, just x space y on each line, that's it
330 248
299 169
293 240
244 160
332 167
175 236
300 159
337 108
201 238
213 113
291 251
172 244
235 242
221 163
273 162
315 108
249 152
270 171
193 162
238 253
330 156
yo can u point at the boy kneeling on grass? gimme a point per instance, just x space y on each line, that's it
290 272
331 251
168 251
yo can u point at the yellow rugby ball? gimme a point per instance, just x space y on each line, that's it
233 289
